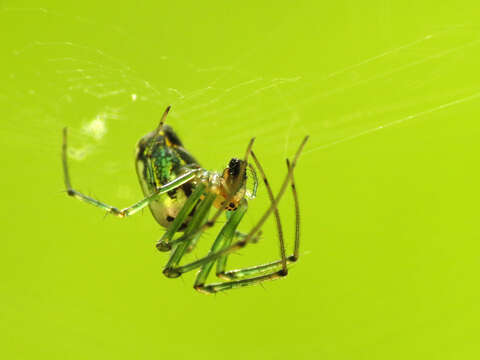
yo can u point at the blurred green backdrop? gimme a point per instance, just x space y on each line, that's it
389 92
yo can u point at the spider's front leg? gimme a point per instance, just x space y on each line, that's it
112 209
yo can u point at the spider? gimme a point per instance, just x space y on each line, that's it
180 194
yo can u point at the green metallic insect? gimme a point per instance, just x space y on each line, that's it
180 194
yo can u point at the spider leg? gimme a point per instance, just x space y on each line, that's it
111 209
237 235
191 234
251 235
275 212
296 249
255 274
222 261
166 246
223 240
191 237
228 285
166 242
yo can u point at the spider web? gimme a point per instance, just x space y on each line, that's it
96 91
76 72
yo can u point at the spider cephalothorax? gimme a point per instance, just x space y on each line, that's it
234 181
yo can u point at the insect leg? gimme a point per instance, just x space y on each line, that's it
111 209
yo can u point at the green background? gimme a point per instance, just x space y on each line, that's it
389 92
